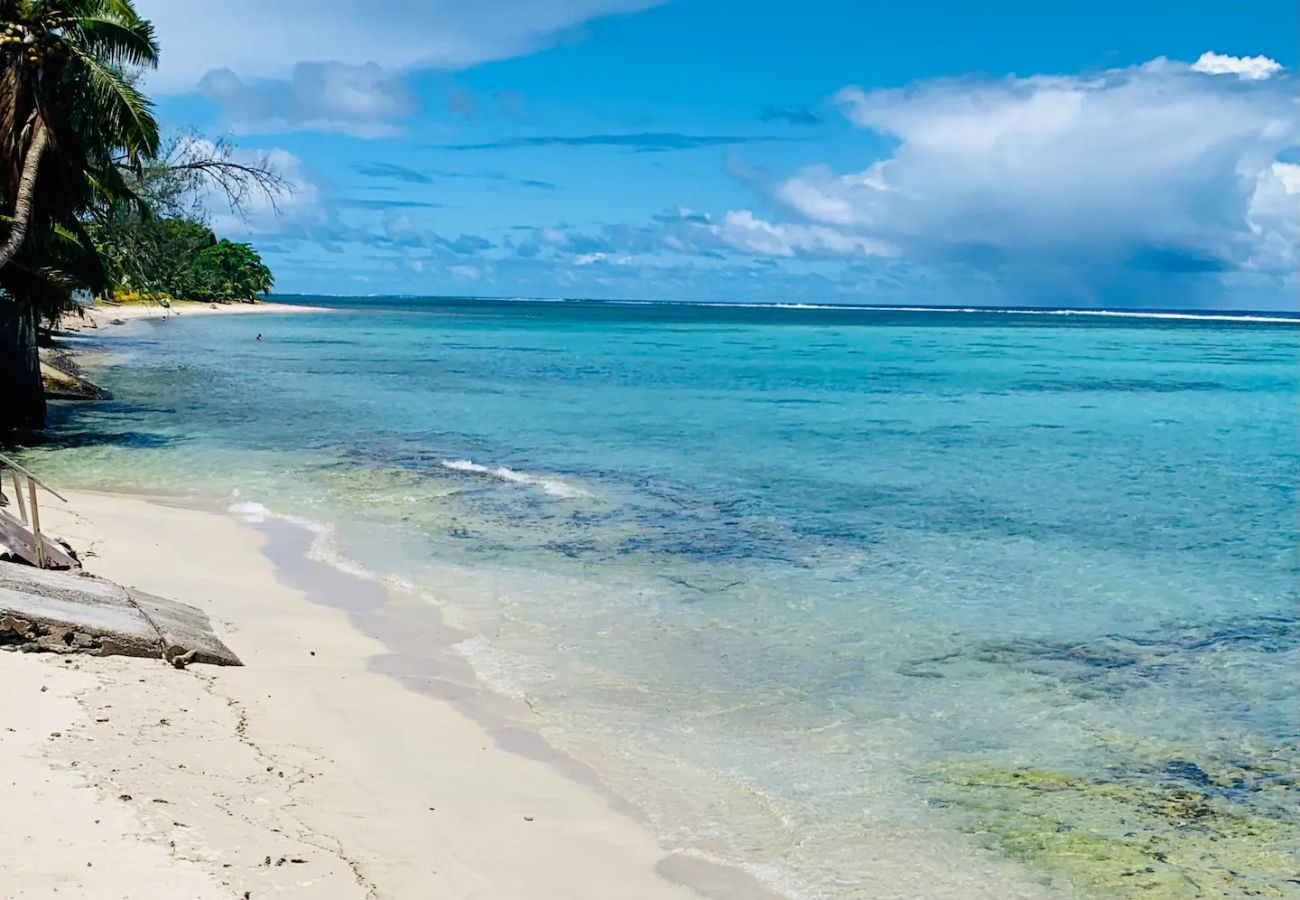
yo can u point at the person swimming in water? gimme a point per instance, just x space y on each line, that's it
259 335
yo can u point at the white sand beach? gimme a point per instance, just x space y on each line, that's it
303 774
106 316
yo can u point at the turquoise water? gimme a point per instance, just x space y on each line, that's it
872 603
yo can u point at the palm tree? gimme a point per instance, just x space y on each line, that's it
71 122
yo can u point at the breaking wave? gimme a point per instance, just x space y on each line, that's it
550 485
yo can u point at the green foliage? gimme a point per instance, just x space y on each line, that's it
179 258
112 207
151 245
148 255
227 271
68 67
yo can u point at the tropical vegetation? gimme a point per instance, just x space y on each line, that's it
91 198
179 259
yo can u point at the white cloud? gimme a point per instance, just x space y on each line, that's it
1077 178
741 230
1252 68
362 101
1273 219
261 39
299 211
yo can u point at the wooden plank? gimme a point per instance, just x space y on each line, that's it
36 525
18 495
19 539
15 536
4 460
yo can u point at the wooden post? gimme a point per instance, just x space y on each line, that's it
18 495
36 524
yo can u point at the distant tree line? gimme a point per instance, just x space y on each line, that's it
180 259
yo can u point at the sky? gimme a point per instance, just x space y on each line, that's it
1088 153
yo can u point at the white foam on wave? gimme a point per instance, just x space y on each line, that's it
553 486
1209 316
1128 314
509 674
503 672
1099 313
249 511
324 545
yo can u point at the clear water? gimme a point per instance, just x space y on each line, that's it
873 603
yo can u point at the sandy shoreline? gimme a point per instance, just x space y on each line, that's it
307 773
356 740
95 317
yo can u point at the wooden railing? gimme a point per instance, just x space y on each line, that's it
22 533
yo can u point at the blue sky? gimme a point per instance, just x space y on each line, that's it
1065 153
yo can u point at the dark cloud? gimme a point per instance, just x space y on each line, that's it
793 115
367 203
681 215
507 179
640 142
1175 260
469 244
1156 174
393 172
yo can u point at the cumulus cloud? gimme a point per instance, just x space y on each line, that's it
741 230
1068 180
302 211
685 233
363 101
1274 221
1252 68
400 230
264 40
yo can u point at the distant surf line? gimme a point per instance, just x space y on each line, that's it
1246 316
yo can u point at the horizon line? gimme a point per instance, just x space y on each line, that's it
1204 313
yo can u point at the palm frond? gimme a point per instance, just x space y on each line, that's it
113 191
118 41
91 266
122 110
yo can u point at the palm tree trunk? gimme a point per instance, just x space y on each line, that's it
22 394
26 193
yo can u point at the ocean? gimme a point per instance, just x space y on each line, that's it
870 603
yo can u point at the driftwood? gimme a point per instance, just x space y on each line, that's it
44 611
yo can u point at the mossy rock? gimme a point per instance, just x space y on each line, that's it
1145 833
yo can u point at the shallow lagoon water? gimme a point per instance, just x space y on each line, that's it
831 594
